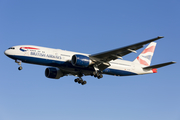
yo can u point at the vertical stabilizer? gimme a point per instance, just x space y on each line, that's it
146 56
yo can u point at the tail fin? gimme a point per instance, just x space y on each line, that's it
146 56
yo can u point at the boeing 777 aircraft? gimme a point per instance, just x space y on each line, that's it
63 63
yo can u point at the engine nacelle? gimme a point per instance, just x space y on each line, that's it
54 73
81 61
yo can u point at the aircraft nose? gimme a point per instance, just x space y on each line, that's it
6 52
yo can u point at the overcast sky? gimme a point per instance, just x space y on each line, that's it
89 27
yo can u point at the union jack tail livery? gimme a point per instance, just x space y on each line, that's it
146 56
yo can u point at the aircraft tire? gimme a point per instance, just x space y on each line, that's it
20 68
84 82
80 81
101 76
76 80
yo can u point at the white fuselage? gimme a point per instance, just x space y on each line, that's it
62 59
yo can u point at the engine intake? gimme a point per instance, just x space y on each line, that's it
81 61
54 73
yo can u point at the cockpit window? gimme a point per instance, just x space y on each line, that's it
11 48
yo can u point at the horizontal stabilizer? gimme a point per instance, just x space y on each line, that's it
158 65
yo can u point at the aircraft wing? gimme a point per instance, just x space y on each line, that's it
102 59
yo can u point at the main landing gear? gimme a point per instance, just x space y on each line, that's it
96 74
80 81
19 63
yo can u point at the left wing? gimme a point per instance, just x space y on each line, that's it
102 59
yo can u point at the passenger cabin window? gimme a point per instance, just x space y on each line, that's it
11 48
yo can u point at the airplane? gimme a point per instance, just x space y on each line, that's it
63 63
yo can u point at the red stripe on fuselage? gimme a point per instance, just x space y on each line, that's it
29 48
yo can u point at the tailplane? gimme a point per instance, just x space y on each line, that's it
158 65
146 56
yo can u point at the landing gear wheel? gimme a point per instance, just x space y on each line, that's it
95 74
20 68
100 76
76 80
80 81
84 82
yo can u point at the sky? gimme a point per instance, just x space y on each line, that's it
91 27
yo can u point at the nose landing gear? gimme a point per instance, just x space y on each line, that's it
19 63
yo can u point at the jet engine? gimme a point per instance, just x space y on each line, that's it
54 73
81 60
